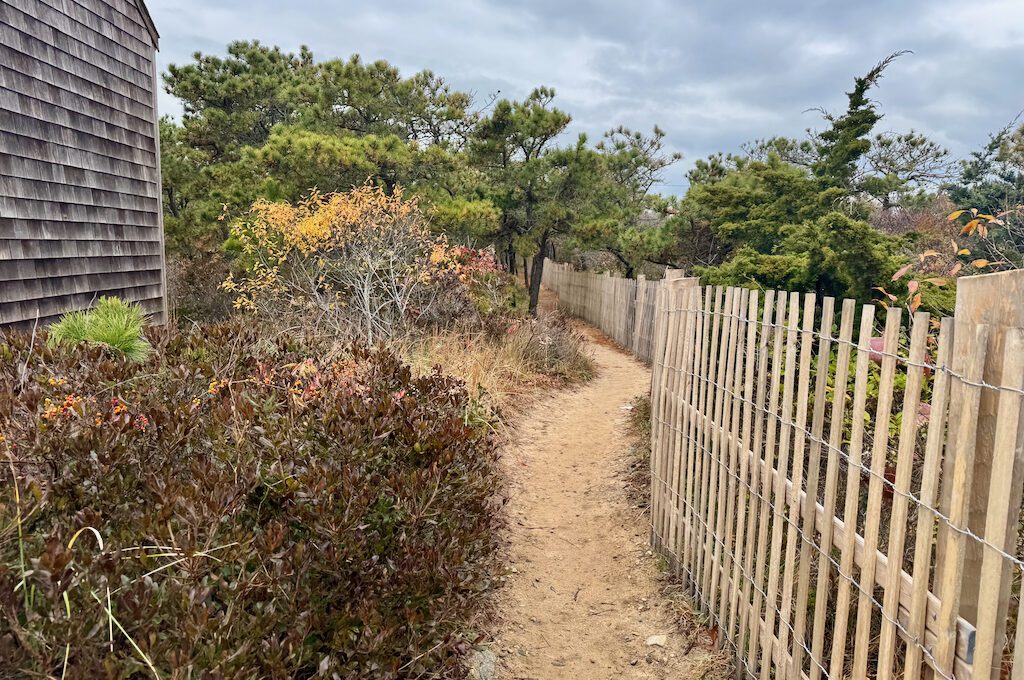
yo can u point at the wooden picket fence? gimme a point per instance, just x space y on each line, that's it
624 309
839 489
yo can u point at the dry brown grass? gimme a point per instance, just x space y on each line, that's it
504 369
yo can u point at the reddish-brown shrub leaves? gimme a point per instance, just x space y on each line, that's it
264 513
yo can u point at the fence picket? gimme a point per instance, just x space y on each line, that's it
929 495
721 452
994 571
852 497
797 477
752 616
741 428
771 654
764 537
949 583
711 439
808 513
689 425
684 501
872 521
707 342
901 490
835 437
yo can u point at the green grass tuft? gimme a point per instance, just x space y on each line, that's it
115 324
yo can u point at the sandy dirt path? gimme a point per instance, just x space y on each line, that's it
583 599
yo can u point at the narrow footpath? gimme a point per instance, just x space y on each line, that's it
584 598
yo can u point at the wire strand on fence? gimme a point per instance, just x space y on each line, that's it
861 467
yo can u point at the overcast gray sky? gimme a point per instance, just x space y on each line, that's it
712 73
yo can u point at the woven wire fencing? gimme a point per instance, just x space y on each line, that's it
838 487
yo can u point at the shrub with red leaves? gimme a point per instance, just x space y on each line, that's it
263 512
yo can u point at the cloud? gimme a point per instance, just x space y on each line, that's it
712 74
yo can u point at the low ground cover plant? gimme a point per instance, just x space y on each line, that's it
238 506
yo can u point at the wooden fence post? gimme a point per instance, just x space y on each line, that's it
639 299
996 300
671 274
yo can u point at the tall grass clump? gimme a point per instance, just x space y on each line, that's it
113 324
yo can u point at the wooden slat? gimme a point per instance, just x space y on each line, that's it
657 406
684 502
803 579
719 339
758 644
743 389
675 439
750 615
901 490
835 440
797 477
996 571
670 387
872 523
948 584
785 432
699 319
930 469
701 493
728 454
837 663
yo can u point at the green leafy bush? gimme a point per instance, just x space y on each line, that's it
264 511
113 324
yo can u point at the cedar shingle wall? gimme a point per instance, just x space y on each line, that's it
79 158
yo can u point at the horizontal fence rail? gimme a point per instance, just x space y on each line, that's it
838 487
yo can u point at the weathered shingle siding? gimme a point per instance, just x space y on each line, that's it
79 158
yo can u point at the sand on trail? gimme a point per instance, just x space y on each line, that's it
584 598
